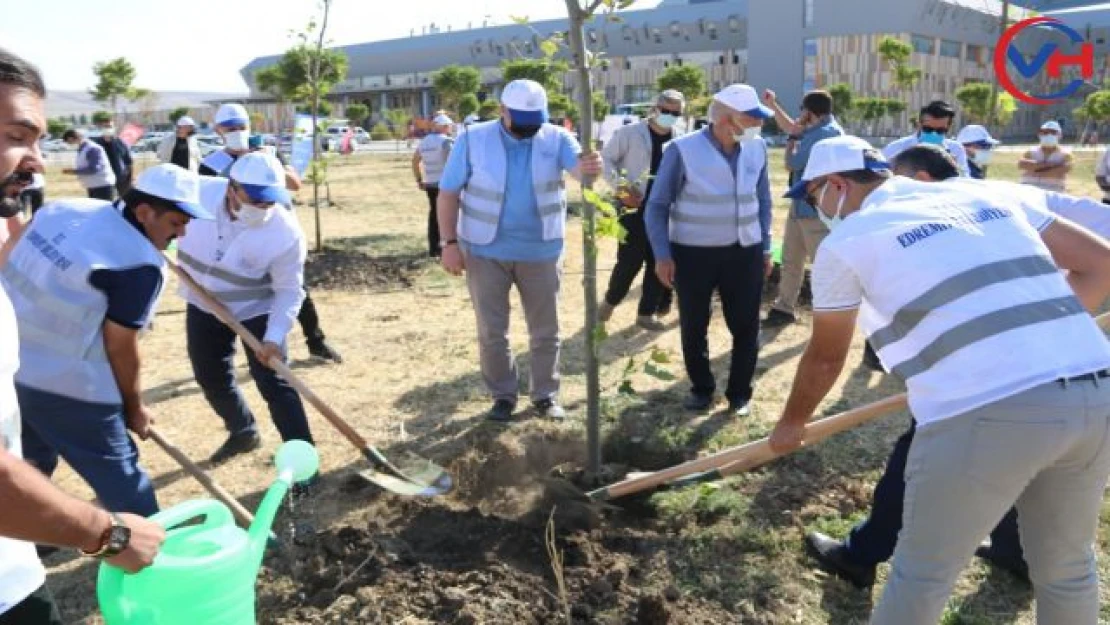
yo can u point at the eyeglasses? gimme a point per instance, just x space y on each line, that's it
939 131
811 193
677 113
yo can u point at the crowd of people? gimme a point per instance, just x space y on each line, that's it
946 273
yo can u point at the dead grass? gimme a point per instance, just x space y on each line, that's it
410 381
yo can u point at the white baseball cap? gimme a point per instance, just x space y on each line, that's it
442 120
1052 125
743 98
973 134
836 155
176 185
232 114
261 176
526 101
185 120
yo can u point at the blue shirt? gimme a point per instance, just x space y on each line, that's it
520 228
827 128
669 181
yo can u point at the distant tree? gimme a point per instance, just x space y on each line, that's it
258 121
55 127
323 110
380 132
270 80
178 113
975 100
357 113
454 82
601 106
83 120
489 109
688 79
115 80
897 54
468 104
547 72
101 117
842 100
399 123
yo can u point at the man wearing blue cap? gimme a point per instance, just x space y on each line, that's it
709 222
251 258
502 217
948 279
84 280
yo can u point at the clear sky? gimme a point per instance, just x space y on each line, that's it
200 45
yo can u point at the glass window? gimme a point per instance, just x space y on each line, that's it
950 49
974 53
810 46
807 13
924 45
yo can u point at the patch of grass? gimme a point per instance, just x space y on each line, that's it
836 526
954 614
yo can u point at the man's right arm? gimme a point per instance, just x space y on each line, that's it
1084 255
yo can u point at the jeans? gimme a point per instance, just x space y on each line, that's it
37 609
433 221
93 439
634 254
212 354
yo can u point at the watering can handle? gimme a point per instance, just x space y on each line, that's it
214 512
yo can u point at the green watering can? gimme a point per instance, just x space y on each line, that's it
776 252
206 572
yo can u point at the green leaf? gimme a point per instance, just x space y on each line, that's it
599 335
629 367
626 388
549 47
593 197
658 373
660 356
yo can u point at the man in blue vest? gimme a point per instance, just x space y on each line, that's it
502 218
709 223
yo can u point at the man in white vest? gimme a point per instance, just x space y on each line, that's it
632 157
84 279
91 166
250 257
502 218
34 509
432 153
709 222
1047 165
949 279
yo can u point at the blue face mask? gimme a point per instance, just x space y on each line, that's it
666 120
932 138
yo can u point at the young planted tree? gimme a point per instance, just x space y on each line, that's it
843 100
896 53
178 113
101 117
55 127
975 102
114 80
454 82
399 124
689 80
468 105
488 109
270 80
357 113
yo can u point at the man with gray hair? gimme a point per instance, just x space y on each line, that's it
631 158
709 222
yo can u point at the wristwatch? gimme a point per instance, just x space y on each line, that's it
443 244
113 541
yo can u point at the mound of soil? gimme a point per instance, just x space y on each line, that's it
349 270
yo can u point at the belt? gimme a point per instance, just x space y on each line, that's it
1093 376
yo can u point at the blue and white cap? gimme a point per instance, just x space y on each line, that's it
743 98
261 176
180 187
526 101
836 155
232 114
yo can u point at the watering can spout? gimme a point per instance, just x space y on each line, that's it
296 461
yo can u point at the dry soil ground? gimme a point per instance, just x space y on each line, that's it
723 553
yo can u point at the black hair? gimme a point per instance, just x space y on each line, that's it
71 133
818 102
16 72
865 176
931 159
938 109
133 198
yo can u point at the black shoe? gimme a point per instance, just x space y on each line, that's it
1012 565
777 319
502 411
871 359
698 403
739 408
235 445
320 349
832 556
549 409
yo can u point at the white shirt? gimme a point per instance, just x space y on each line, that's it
952 280
896 147
21 572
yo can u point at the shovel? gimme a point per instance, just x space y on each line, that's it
217 491
418 477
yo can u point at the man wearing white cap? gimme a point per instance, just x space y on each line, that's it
709 222
502 219
84 280
948 280
432 153
251 258
978 143
181 148
934 122
1047 165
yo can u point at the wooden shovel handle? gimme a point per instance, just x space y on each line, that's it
241 513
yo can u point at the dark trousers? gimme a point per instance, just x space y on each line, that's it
103 193
310 321
93 439
633 255
37 609
737 274
212 354
433 221
872 541
31 199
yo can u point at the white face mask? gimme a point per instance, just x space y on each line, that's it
253 216
237 139
1050 140
834 221
982 158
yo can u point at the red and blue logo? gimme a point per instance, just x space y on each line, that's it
1049 58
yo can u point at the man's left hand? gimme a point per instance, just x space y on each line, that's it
268 352
768 266
590 164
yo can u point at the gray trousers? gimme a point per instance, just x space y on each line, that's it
1045 449
489 282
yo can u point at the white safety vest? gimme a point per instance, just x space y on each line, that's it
715 208
433 156
961 297
103 178
61 315
235 271
1047 183
483 197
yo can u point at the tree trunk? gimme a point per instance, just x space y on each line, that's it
314 77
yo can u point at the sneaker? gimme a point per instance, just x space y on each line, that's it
776 319
320 349
832 556
1015 566
739 408
502 411
698 403
650 323
549 409
236 444
605 311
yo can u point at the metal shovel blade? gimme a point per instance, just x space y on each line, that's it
415 476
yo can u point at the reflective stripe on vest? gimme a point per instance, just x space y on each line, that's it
52 315
715 208
432 154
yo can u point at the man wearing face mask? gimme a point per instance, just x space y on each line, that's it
631 159
978 143
118 153
251 257
934 124
1047 165
709 222
233 124
432 152
502 217
949 279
